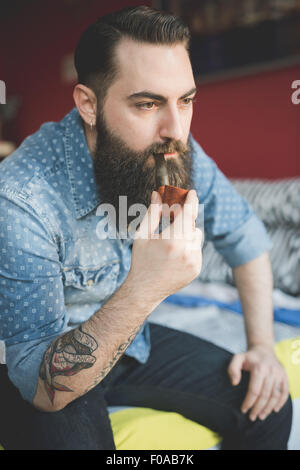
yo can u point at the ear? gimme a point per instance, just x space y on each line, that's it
86 102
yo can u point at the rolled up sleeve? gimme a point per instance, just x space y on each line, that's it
229 221
31 292
246 243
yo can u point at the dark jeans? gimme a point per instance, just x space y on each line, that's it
184 374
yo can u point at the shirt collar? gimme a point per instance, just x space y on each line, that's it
80 166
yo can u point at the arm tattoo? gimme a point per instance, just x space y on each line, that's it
121 349
71 353
67 356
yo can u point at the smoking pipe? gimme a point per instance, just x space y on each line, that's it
169 194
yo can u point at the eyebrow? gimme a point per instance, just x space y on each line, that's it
154 96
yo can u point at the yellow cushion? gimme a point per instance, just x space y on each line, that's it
147 429
288 353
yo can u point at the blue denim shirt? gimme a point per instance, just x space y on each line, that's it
54 270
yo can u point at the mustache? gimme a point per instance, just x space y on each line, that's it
167 147
106 138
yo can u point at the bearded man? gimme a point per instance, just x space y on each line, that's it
74 305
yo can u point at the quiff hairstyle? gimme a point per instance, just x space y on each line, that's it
94 55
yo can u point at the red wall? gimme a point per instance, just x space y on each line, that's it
248 125
35 40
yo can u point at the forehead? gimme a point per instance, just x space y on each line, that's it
163 69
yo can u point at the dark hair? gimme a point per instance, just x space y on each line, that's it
94 55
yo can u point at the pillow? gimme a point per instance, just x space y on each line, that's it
275 202
285 259
147 429
288 353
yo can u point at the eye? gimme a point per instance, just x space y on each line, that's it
147 105
187 101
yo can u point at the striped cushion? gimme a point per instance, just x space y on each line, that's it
277 205
275 202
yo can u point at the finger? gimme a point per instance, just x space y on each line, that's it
184 218
235 368
193 201
151 219
195 245
254 389
190 207
284 396
197 237
263 399
276 395
175 230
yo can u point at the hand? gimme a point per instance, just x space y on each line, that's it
164 263
268 387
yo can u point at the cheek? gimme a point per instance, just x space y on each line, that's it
187 126
138 133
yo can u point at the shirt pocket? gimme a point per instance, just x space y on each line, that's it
86 284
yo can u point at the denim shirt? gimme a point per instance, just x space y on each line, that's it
55 272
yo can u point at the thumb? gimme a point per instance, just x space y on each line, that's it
151 219
235 368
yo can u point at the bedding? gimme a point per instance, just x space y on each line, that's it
277 205
286 308
276 202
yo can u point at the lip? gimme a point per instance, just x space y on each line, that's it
170 155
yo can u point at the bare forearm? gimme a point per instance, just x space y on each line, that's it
254 281
78 360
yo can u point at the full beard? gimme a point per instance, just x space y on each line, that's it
120 171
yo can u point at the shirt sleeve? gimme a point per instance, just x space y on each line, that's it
32 309
229 221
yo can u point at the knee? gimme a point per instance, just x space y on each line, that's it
281 420
283 417
274 431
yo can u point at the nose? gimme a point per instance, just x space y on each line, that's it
170 124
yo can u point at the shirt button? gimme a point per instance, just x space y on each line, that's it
90 282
